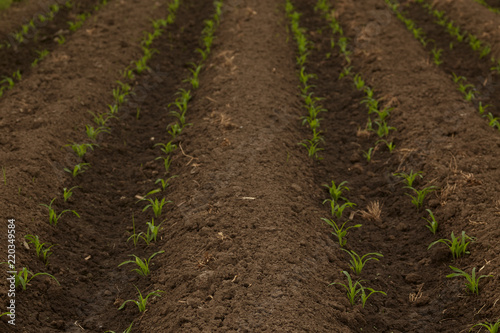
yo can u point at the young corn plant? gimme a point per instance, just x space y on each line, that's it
53 216
22 278
92 132
472 283
102 119
491 327
353 289
156 205
143 265
357 262
151 232
128 330
195 72
81 149
337 190
164 182
418 199
457 246
337 209
135 236
390 145
78 169
141 302
41 252
432 223
167 161
436 53
340 232
312 147
409 179
369 154
68 193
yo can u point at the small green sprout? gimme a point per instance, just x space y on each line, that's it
164 182
340 232
432 223
359 82
355 288
457 246
390 145
101 119
68 193
409 178
383 128
167 162
368 154
81 149
156 205
195 71
418 199
491 327
457 78
151 233
437 55
312 148
337 209
39 248
135 237
93 133
336 191
174 130
167 148
472 283
482 108
21 278
141 303
78 169
142 264
357 262
53 217
346 71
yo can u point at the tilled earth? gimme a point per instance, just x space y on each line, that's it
245 249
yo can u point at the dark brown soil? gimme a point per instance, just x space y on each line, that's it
245 247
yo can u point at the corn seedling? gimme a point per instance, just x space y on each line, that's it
78 169
167 148
167 161
337 209
151 232
174 130
482 108
359 82
418 199
346 71
457 246
164 182
340 232
383 128
60 39
142 302
41 55
101 119
432 223
336 190
156 205
195 71
142 264
436 53
409 179
368 154
22 279
135 237
53 217
491 327
357 262
390 145
312 148
41 252
92 132
354 289
472 283
81 149
68 193
113 109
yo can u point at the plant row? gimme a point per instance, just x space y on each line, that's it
43 250
8 82
378 124
468 90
